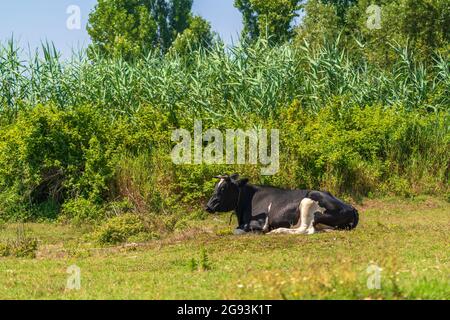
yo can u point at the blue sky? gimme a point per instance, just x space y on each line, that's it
32 21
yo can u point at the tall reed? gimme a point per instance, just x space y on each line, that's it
220 82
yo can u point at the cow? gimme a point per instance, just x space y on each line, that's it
272 210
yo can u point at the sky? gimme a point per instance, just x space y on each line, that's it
33 21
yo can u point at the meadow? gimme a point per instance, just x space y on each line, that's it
407 239
86 176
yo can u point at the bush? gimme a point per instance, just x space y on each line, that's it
80 210
4 249
50 156
354 150
75 164
120 229
22 247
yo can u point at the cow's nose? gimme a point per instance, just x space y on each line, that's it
208 209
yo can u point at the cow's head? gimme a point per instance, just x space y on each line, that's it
226 193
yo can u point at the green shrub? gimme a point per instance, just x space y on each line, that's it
12 206
145 180
22 247
123 228
74 164
352 150
115 208
4 249
48 154
80 210
77 150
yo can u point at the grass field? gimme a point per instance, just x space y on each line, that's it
407 239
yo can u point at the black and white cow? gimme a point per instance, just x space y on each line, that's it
274 210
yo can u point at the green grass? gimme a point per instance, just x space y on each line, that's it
408 239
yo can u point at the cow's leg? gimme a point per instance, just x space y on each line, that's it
266 226
307 209
257 224
338 214
319 227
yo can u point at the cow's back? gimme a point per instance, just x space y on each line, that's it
280 205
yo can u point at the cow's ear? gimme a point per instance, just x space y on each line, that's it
242 182
225 176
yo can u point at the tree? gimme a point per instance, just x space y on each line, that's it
341 7
268 18
122 27
422 25
129 28
197 35
180 13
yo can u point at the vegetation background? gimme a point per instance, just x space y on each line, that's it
85 142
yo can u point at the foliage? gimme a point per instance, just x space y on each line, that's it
50 154
81 211
216 85
340 7
78 135
268 18
197 36
22 246
122 28
343 147
128 29
4 249
122 228
357 151
419 25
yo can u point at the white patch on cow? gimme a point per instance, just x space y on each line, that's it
265 229
220 182
307 209
266 225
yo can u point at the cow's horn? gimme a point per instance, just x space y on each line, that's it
221 176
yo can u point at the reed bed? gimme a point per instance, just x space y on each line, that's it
219 82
